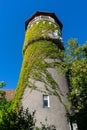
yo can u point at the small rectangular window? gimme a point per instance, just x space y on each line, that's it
45 101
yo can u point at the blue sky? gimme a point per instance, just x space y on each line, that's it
14 13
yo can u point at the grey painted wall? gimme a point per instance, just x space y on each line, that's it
56 113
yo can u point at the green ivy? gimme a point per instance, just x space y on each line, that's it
37 46
39 29
34 65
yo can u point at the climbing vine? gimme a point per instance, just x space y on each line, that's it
40 43
40 29
34 67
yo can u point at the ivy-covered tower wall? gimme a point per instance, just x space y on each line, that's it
42 86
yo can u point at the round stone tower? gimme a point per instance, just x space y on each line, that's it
42 86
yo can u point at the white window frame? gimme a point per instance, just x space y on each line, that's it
74 126
46 98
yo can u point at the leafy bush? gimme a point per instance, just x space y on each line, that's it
21 120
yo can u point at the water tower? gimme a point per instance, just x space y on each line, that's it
42 86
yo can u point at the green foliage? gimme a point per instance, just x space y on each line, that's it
34 67
73 51
46 127
85 49
3 101
2 84
21 120
38 45
78 83
75 65
42 28
4 104
2 95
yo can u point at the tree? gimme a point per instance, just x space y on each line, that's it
21 120
2 93
2 84
76 68
4 104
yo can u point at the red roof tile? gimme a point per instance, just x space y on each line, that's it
9 94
